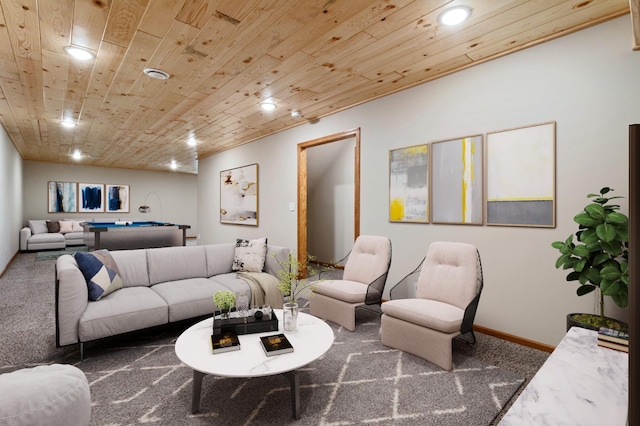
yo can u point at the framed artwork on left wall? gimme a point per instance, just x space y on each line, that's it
239 195
62 197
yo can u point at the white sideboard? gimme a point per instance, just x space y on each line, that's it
581 383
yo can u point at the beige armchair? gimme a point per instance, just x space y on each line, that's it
362 282
435 303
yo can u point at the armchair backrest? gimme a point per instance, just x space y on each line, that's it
450 274
369 259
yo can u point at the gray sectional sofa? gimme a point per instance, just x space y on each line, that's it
42 235
160 286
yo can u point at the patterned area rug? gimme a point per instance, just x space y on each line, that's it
139 380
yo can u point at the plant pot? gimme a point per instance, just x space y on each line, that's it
290 317
612 323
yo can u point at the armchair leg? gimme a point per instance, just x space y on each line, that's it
471 341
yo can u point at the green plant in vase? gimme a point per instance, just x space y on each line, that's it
293 283
292 276
598 260
225 300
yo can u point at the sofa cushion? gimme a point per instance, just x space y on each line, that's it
66 226
53 226
188 298
125 310
53 394
46 239
100 272
219 258
132 265
176 263
250 255
38 226
74 238
76 227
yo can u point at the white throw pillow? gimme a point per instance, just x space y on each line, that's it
76 226
250 255
66 226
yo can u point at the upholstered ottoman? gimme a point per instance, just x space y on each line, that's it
52 395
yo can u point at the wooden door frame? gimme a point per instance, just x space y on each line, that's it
302 185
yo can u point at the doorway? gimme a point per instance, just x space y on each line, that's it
306 176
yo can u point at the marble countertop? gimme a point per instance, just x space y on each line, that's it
581 383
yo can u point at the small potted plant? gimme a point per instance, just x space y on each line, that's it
224 300
598 260
292 284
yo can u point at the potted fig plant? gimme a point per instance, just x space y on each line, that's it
598 260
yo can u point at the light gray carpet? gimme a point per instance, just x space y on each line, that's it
138 379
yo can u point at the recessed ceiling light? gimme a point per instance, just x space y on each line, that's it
191 140
79 53
296 114
77 155
157 74
173 165
267 105
454 15
68 123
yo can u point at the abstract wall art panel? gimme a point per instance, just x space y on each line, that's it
239 195
91 197
521 176
62 197
117 198
456 181
409 184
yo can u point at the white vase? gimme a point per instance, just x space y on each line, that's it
290 317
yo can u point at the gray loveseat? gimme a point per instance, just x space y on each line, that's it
160 286
49 234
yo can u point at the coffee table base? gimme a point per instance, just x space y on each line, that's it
292 377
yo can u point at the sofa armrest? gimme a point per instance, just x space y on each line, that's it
25 234
72 298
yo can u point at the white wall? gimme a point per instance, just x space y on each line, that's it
176 192
587 82
10 199
330 200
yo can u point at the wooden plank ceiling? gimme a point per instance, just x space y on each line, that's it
226 56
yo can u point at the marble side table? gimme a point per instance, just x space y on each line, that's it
581 383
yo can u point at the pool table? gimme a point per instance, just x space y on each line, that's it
126 235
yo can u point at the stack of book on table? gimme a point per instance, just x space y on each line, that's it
614 339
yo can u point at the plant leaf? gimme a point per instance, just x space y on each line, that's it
606 232
596 211
585 289
617 218
581 250
587 220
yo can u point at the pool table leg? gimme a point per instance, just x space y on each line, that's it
197 389
294 382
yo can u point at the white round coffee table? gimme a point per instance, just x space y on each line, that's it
313 338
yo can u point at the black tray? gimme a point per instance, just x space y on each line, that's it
252 325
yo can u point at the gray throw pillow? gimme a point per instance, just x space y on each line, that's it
53 226
38 227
